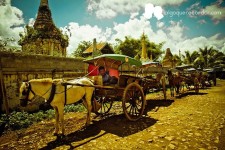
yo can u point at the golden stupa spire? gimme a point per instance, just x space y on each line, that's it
144 49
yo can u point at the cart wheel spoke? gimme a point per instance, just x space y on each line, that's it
133 101
128 106
106 105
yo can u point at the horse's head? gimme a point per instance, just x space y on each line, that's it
26 93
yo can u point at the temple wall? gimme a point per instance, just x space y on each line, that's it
50 47
17 67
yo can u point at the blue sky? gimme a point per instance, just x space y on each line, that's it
181 24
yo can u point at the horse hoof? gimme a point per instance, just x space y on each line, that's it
61 136
55 134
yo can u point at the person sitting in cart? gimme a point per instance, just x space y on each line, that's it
107 79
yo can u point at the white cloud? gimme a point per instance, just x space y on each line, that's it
31 22
194 8
160 24
134 15
84 33
11 21
173 35
215 11
106 13
133 28
202 21
223 48
175 31
115 7
165 2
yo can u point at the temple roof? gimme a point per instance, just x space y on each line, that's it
100 47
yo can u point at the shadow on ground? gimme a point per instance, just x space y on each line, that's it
155 104
116 124
188 93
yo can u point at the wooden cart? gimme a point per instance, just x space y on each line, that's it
128 89
190 77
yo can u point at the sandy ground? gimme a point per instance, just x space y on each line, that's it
188 121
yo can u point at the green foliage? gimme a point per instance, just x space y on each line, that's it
129 46
81 48
177 59
32 34
132 47
204 57
74 108
189 58
18 120
4 45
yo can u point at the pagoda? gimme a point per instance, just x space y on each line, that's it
168 60
44 37
144 54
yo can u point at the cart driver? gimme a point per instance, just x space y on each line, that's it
107 79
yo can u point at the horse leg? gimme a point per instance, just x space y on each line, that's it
89 106
61 118
56 121
172 91
177 88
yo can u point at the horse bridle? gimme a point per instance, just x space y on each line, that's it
27 93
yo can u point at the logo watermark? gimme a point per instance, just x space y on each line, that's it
191 13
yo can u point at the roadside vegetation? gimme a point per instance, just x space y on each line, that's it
17 120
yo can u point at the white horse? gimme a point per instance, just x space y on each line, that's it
54 92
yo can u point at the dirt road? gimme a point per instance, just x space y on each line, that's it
189 121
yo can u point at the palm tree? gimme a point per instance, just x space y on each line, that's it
177 60
216 58
209 57
189 58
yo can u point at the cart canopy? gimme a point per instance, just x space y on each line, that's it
113 61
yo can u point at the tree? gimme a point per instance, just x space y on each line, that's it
5 45
155 50
208 57
81 48
132 47
128 47
204 57
189 58
177 60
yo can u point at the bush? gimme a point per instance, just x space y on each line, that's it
74 108
18 120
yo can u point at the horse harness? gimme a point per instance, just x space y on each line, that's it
51 96
53 92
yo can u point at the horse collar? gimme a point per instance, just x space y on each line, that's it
30 89
52 94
